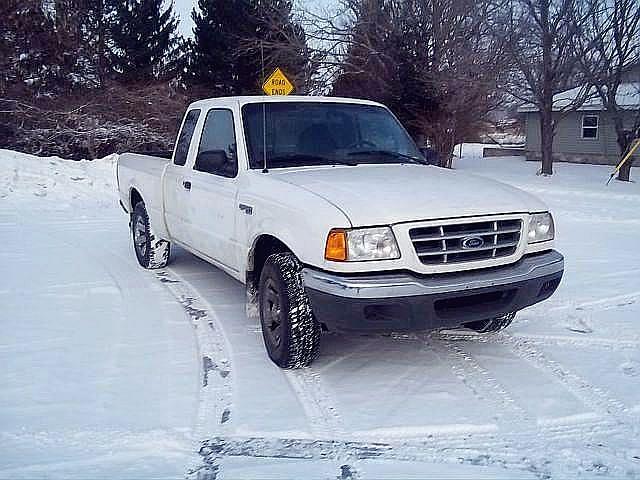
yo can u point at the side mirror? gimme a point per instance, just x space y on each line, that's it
213 161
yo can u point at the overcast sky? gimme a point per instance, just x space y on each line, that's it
183 9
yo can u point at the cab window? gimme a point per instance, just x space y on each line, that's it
184 139
217 153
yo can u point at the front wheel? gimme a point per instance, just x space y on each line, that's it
151 251
290 331
491 325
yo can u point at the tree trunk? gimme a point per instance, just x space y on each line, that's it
546 100
546 141
624 140
625 171
443 144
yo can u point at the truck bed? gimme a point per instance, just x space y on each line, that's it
142 164
142 173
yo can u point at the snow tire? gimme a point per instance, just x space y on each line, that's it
290 331
492 325
151 251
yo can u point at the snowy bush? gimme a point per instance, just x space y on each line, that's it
94 124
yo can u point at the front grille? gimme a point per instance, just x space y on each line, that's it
460 242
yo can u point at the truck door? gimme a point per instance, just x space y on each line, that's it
176 181
214 190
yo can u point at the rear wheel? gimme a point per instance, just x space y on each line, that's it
491 325
291 333
151 251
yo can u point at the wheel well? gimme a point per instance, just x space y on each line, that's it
135 198
264 246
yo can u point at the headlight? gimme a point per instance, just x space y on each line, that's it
361 244
540 228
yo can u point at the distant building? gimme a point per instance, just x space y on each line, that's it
586 135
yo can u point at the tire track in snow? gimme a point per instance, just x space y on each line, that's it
543 456
215 396
584 342
332 441
181 290
481 382
609 416
216 393
513 419
601 304
599 399
317 402
544 339
409 449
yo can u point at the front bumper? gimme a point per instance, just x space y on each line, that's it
406 302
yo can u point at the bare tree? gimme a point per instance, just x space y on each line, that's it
466 66
434 63
609 49
279 39
538 37
330 34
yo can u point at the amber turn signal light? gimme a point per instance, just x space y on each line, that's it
336 248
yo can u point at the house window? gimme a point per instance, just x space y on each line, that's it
590 126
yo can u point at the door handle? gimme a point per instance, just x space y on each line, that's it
186 184
248 209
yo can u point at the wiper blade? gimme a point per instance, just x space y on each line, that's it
314 159
390 153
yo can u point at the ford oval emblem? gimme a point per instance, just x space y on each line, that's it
472 242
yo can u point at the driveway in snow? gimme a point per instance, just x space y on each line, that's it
111 371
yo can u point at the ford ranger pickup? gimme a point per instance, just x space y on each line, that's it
327 211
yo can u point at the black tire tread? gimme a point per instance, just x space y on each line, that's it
303 342
492 325
158 250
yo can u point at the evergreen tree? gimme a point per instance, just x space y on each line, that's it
81 38
230 37
218 26
95 19
143 37
386 50
370 66
276 35
29 57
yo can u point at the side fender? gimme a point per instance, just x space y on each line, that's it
298 218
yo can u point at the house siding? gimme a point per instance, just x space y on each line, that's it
632 74
568 144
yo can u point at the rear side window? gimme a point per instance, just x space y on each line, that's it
217 153
184 139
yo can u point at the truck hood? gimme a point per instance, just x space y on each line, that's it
388 194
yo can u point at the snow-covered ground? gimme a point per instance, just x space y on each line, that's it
110 371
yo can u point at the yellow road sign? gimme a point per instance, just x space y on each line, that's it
277 84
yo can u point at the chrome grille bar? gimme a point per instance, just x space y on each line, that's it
427 238
464 250
449 242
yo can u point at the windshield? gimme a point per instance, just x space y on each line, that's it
308 133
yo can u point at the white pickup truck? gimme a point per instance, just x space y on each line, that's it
327 211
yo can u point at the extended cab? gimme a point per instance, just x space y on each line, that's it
327 211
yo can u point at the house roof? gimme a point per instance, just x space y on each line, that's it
628 97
